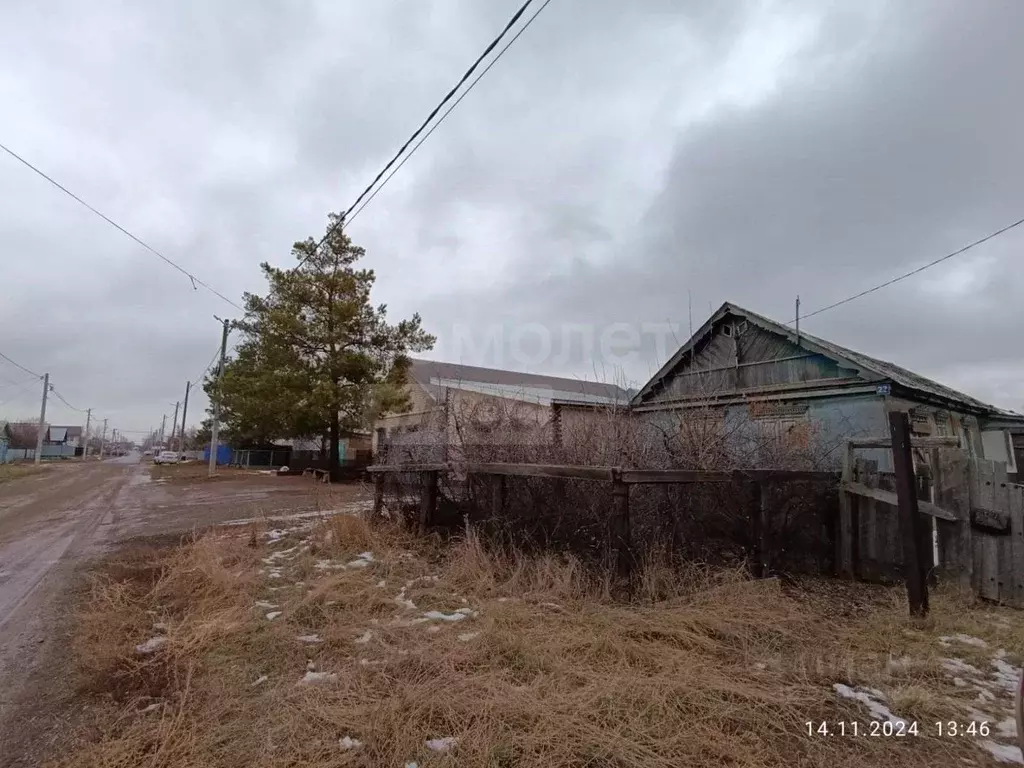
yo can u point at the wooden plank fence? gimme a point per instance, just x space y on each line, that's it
620 481
977 518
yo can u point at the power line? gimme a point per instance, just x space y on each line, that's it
60 397
449 110
216 354
912 272
195 280
19 365
469 72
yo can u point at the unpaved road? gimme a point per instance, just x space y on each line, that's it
52 525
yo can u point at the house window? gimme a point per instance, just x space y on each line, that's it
727 330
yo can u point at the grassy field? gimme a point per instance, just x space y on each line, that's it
194 471
14 471
345 645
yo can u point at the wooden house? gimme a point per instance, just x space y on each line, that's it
754 376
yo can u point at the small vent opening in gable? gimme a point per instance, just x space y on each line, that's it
727 330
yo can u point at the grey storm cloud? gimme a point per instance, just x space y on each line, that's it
620 158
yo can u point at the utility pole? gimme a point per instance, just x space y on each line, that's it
103 439
85 435
42 420
184 415
174 425
798 321
216 400
163 432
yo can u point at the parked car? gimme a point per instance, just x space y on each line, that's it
166 457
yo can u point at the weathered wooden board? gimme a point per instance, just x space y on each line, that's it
1016 496
952 492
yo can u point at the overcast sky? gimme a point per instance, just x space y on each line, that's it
621 157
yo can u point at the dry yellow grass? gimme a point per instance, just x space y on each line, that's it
544 669
15 471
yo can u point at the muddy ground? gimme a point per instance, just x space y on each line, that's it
54 524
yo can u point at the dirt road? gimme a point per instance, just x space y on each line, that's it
52 525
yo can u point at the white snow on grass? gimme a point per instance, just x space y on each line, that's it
457 615
152 707
160 627
347 742
403 601
901 664
151 646
959 666
381 584
421 579
467 636
259 681
273 615
412 764
263 605
1006 675
327 565
315 678
440 745
364 638
310 639
1007 728
358 563
871 698
1004 753
976 642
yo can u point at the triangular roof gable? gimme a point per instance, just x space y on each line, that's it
868 368
809 343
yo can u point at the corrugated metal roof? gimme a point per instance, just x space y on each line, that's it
875 368
435 376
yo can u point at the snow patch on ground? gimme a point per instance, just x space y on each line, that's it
273 615
901 664
1006 675
150 646
457 615
263 605
347 742
977 642
152 707
872 698
314 678
1004 753
440 745
310 639
364 638
467 636
421 579
381 584
259 681
959 666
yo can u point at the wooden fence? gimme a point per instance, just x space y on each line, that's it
966 525
764 533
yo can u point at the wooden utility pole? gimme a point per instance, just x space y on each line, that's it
85 435
174 426
163 431
184 415
103 439
216 400
912 528
42 420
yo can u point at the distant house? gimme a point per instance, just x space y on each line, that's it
453 400
747 369
65 436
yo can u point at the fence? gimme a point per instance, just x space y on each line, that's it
49 452
774 519
955 516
